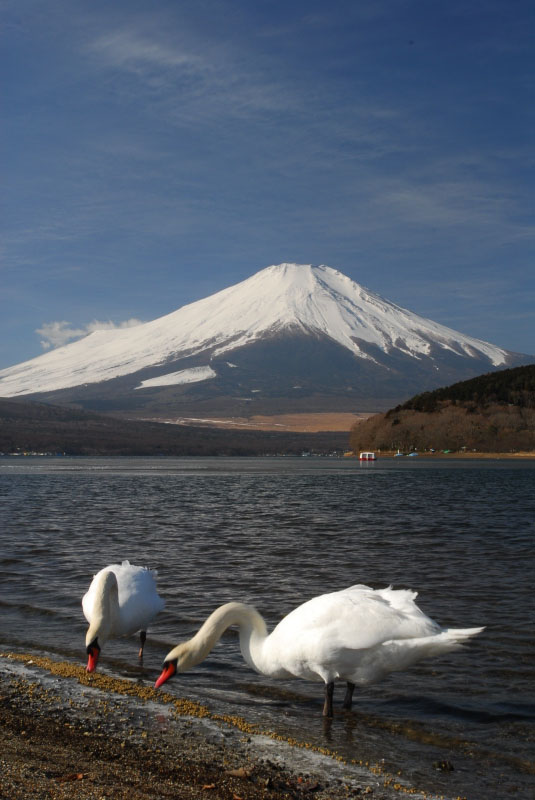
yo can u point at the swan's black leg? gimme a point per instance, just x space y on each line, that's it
142 640
328 705
348 699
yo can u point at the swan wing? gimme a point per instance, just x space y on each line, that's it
357 618
139 601
358 634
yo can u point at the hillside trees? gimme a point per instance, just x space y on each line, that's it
491 413
497 429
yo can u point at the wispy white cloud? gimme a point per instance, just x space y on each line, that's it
187 78
130 49
380 154
56 334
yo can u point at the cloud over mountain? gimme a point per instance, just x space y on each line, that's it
57 334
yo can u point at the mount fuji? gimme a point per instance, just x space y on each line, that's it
292 337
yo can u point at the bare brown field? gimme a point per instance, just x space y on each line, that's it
292 423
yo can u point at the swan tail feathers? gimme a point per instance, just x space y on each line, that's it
449 640
461 634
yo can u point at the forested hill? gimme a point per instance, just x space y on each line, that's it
492 413
506 387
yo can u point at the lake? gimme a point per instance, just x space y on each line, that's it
274 532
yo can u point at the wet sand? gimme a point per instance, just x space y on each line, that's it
68 734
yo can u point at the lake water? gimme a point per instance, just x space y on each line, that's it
274 532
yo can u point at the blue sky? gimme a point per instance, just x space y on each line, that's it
156 152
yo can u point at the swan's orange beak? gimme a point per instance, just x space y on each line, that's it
168 671
93 652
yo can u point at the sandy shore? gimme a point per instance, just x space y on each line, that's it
67 734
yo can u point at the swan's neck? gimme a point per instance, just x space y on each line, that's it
105 609
252 630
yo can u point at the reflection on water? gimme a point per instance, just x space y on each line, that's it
275 532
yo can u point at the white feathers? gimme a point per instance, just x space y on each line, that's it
358 635
121 600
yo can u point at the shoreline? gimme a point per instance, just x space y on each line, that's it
68 734
454 455
349 455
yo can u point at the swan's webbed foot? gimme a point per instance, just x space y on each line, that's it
328 705
348 698
142 640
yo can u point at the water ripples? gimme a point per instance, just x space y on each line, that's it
274 532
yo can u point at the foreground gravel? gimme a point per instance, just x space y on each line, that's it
67 734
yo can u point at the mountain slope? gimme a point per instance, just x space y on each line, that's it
289 331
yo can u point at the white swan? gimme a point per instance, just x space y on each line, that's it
358 635
121 600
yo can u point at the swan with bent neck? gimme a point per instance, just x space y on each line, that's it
358 635
121 600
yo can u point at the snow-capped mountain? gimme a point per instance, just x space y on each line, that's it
290 331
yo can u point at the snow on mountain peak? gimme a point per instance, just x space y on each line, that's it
315 299
324 300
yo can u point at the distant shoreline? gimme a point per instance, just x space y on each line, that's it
380 454
452 455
